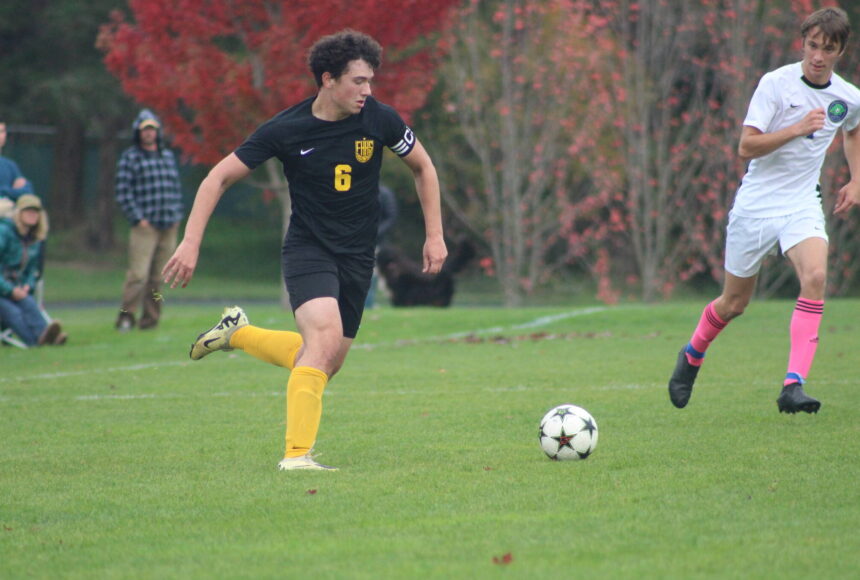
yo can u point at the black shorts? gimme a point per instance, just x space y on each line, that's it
312 271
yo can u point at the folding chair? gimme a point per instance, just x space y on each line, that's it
7 337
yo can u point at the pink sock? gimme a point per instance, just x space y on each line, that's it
804 338
710 325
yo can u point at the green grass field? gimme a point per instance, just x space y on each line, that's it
123 459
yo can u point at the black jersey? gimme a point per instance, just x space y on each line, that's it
332 168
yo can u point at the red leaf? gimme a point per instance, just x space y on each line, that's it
215 69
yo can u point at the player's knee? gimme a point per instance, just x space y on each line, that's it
734 306
814 280
321 354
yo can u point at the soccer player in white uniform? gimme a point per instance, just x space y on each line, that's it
793 117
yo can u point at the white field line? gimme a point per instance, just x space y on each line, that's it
66 374
328 393
536 323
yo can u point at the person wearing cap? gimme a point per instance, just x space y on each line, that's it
13 184
150 195
22 246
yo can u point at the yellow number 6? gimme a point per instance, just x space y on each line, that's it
342 177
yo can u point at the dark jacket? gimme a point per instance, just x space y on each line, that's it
147 182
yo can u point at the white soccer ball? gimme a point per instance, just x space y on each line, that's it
568 432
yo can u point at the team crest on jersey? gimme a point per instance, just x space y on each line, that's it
837 110
364 150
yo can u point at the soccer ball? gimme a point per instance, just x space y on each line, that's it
568 432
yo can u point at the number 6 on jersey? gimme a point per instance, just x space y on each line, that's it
342 177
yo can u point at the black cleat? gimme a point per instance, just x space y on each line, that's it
792 399
681 383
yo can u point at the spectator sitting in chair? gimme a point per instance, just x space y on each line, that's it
22 242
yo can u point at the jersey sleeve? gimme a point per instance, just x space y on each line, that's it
396 135
853 119
763 106
260 146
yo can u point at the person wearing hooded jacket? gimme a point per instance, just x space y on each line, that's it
150 195
22 246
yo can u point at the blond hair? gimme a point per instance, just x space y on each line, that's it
39 231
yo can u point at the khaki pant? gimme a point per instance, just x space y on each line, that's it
148 251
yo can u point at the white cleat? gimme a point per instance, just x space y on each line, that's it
218 337
303 462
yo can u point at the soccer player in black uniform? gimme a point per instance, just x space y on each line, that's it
331 149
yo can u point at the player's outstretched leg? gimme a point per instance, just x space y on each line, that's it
681 383
792 399
218 337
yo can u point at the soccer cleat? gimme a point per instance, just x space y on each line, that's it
218 337
792 399
681 383
303 462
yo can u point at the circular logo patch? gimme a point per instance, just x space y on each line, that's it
837 110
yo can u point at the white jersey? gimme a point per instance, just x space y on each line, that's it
786 180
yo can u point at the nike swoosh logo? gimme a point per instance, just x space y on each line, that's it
206 343
793 106
306 151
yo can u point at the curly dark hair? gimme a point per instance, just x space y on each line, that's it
334 52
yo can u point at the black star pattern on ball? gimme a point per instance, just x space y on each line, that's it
589 426
563 439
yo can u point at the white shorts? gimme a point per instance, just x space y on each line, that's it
750 240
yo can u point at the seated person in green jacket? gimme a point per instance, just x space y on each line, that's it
22 242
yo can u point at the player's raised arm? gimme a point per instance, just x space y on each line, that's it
427 186
180 268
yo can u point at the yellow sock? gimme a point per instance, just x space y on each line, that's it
304 409
277 347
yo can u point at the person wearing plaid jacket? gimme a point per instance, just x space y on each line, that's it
150 195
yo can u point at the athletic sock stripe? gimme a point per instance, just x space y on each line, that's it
693 352
794 377
810 307
713 320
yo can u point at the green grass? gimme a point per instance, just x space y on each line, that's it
236 259
122 459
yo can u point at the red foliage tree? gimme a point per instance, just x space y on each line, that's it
516 85
683 76
603 133
215 69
